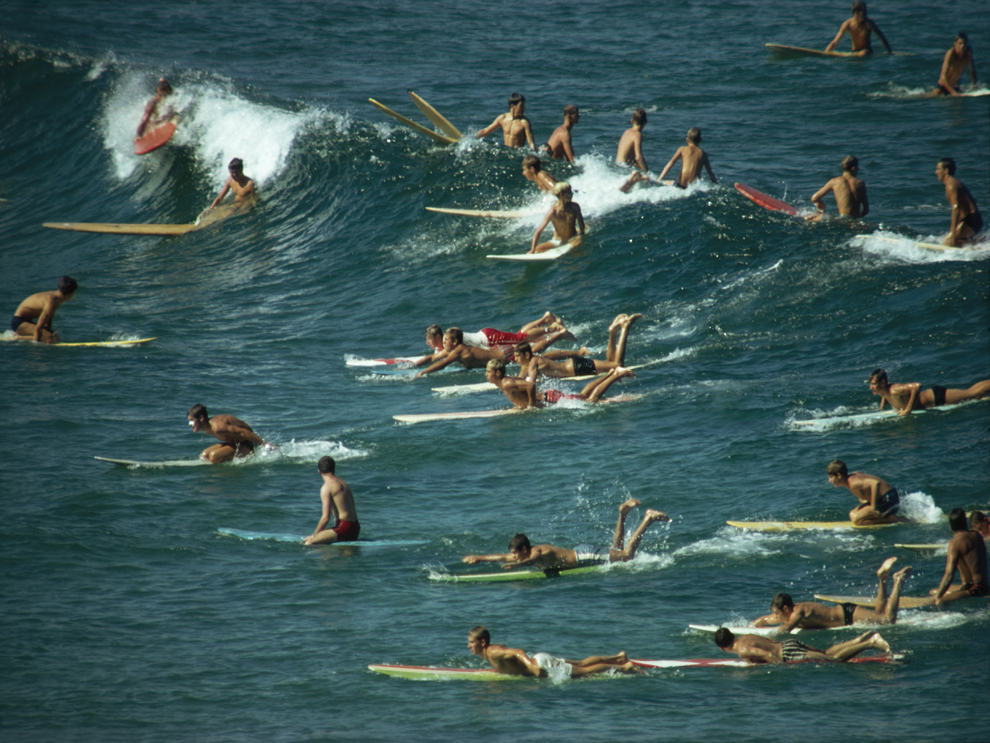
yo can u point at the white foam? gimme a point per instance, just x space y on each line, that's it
920 507
906 249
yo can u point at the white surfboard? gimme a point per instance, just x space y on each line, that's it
871 417
279 537
467 415
926 246
547 255
483 213
166 463
923 547
464 389
792 525
355 361
738 663
762 631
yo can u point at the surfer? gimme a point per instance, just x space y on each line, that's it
966 217
910 396
162 91
756 649
532 170
338 501
515 662
812 615
548 557
879 501
516 128
577 364
979 523
968 554
522 393
568 222
33 318
237 437
242 186
848 190
692 157
859 28
455 349
957 59
559 143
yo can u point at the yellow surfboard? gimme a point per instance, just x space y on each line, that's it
789 525
206 218
411 124
435 117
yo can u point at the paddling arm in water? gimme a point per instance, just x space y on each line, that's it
242 186
859 28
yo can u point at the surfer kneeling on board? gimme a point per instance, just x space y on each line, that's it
911 395
756 649
966 217
568 222
859 28
237 437
849 192
240 184
162 91
878 501
548 557
338 502
33 318
956 60
515 662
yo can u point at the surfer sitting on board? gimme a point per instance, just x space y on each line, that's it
979 523
631 149
968 553
532 170
515 662
692 157
559 143
812 615
240 184
237 437
910 396
34 315
162 91
849 192
578 364
522 393
338 502
516 128
957 59
568 222
548 557
859 28
966 217
756 649
878 500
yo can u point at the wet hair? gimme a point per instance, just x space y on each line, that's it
523 347
496 365
480 633
837 467
560 186
198 412
164 86
965 39
694 135
236 163
434 331
67 285
849 162
782 601
570 109
532 161
326 465
456 334
724 637
858 6
520 543
949 164
879 375
977 520
639 117
957 520
516 98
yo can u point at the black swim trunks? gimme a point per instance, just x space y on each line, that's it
847 613
973 220
583 366
17 321
889 502
939 394
792 650
945 90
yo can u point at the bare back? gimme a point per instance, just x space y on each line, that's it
969 552
337 495
631 148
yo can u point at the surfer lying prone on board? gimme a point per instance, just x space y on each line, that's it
812 615
338 502
859 28
911 395
516 662
568 222
242 186
577 363
967 552
162 91
878 500
455 349
33 318
848 190
756 649
546 331
548 557
966 218
237 437
523 394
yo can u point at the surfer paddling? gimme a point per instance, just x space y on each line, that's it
516 129
523 394
957 59
516 662
568 222
456 350
812 615
162 91
238 440
33 318
848 190
968 554
548 557
912 396
966 217
756 649
338 502
242 186
577 364
859 28
878 501
559 144
547 325
692 159
532 170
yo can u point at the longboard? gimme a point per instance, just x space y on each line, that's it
353 361
766 201
276 537
803 51
433 673
206 218
89 344
922 547
486 213
873 416
762 631
907 602
154 138
507 576
547 255
487 386
166 463
435 117
411 124
713 662
790 525
927 246
426 417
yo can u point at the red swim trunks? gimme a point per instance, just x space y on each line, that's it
347 531
554 396
502 338
976 589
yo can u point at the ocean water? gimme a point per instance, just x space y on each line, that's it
128 616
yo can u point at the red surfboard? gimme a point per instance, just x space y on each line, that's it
154 138
767 202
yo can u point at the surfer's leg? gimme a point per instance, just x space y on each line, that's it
851 648
630 551
977 392
548 319
893 604
613 660
578 671
594 390
613 329
619 538
218 453
882 574
620 350
322 537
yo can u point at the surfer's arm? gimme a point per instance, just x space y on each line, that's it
864 202
450 359
218 199
819 195
670 164
44 319
578 218
838 37
149 111
883 38
528 128
543 226
972 68
472 559
491 127
951 561
943 81
915 388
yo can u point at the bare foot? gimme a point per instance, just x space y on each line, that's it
902 574
548 317
880 644
885 569
621 657
583 351
628 320
630 667
621 371
652 515
617 322
628 506
865 636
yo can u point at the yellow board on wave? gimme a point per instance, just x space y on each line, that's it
206 218
92 344
791 525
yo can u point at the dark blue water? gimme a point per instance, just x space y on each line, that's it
126 616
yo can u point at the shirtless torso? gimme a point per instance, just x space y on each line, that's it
34 315
850 196
630 150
